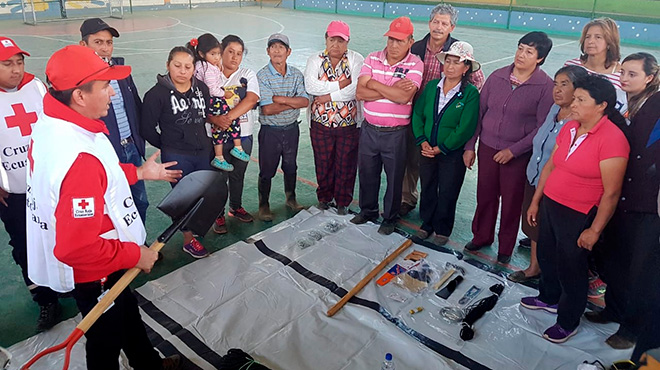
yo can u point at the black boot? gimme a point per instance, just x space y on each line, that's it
172 363
290 191
264 192
49 315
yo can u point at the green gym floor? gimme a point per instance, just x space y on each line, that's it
147 37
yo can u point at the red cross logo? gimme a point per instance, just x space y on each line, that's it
83 204
21 119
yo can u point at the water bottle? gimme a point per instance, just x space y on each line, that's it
388 364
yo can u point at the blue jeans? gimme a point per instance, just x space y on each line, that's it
130 154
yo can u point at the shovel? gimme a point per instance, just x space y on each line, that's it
194 202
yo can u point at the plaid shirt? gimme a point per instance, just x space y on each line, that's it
433 67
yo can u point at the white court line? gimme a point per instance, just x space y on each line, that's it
47 38
143 49
252 15
266 18
512 56
157 28
146 40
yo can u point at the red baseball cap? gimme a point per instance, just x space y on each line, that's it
400 28
338 28
8 48
75 65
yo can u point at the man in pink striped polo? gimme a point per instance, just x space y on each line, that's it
387 84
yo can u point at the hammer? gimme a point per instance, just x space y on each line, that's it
452 270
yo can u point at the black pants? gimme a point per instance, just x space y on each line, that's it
441 177
632 258
564 265
237 176
119 328
13 218
648 338
276 143
380 149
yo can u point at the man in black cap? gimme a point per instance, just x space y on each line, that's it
123 119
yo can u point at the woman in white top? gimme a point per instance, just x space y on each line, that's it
237 81
601 53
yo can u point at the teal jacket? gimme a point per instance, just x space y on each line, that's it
451 128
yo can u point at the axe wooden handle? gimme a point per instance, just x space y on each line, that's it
444 278
113 293
368 278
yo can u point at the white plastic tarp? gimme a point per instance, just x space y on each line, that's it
269 297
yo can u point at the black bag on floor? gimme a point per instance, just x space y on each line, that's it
236 359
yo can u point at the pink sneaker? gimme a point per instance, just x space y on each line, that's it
195 249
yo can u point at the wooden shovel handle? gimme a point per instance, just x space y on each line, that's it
368 278
110 297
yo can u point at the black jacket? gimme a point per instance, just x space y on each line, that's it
640 184
180 117
419 48
133 106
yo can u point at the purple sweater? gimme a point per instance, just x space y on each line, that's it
509 118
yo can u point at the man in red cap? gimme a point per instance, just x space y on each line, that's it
387 84
21 96
83 227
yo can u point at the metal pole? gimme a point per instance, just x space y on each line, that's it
34 15
593 11
508 17
23 11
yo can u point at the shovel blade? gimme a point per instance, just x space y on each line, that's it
209 186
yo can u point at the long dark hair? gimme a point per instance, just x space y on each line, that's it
467 76
650 66
602 90
202 45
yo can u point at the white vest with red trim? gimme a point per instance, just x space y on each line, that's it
56 145
18 113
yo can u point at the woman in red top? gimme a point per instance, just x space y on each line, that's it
579 188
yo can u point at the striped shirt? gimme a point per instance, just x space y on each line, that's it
120 111
614 77
272 83
211 75
384 112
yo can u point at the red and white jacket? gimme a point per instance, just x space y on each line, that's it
18 112
82 223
